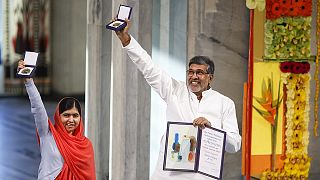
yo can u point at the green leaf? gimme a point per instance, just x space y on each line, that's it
263 113
260 100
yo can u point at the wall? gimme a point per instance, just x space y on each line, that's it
1 21
1 46
68 33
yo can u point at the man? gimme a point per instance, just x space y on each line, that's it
193 101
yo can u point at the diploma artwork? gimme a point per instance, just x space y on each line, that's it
191 149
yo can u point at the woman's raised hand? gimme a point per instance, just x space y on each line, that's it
21 65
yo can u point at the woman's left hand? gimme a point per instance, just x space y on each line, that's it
21 65
201 122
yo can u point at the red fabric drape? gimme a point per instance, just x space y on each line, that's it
76 150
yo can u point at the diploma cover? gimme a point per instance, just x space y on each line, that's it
191 149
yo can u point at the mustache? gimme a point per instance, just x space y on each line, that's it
193 80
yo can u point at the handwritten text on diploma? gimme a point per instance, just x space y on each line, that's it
211 152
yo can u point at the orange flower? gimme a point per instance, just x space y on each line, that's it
293 10
276 9
267 102
305 8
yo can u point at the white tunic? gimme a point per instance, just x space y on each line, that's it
183 106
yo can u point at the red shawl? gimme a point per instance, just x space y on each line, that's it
76 151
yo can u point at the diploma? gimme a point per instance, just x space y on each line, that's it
191 149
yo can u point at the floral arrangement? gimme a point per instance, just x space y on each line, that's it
296 167
288 37
294 67
297 114
293 8
297 161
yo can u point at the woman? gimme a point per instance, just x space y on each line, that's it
66 153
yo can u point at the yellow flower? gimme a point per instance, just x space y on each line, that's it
289 168
266 175
299 127
276 174
297 134
299 107
292 78
300 95
302 176
304 166
297 118
296 145
301 82
283 175
305 77
286 177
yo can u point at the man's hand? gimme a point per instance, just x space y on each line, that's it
123 35
201 122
